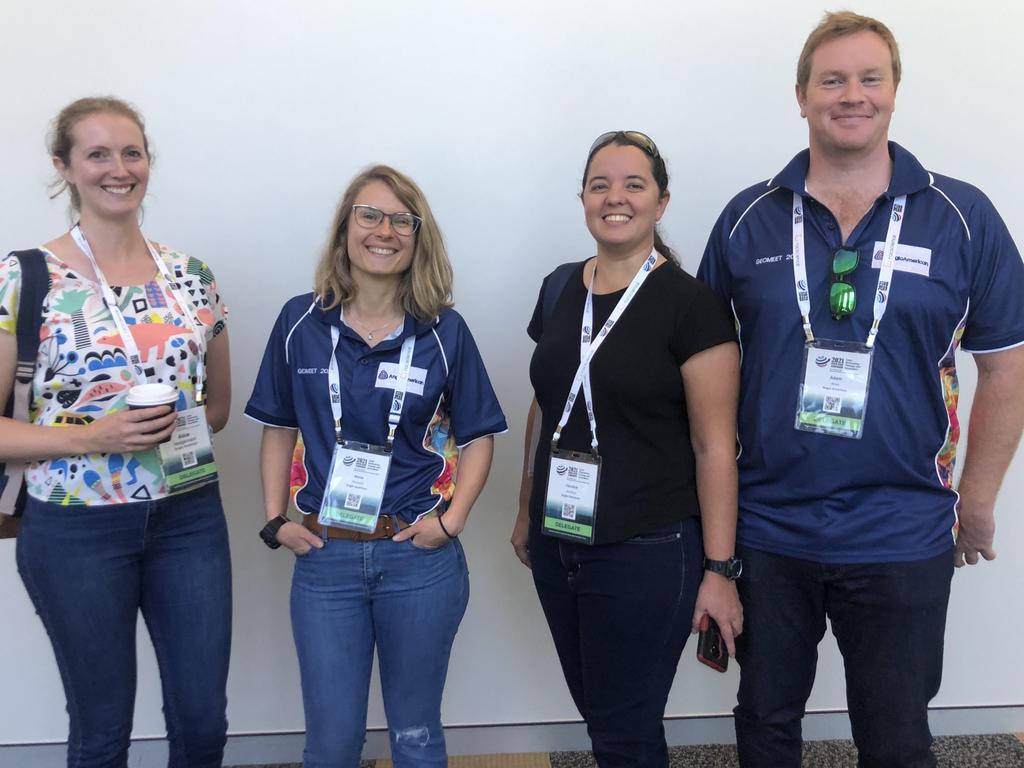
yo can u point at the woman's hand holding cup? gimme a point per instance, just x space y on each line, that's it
148 420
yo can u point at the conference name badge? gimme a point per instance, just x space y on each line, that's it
570 504
834 389
355 486
187 457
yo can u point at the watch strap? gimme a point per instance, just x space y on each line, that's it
730 569
269 531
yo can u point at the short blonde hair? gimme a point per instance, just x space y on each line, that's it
840 24
425 288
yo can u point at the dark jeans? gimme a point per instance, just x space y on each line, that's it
889 620
88 571
620 615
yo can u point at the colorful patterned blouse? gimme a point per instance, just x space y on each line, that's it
82 370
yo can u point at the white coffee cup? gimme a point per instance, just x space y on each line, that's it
150 396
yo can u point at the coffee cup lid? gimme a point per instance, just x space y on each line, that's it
152 394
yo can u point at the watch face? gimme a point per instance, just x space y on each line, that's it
730 569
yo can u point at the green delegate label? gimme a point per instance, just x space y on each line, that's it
568 526
830 421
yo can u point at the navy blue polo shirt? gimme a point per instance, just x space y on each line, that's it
449 403
959 280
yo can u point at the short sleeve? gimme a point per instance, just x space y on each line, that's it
10 288
551 291
713 270
536 327
218 307
194 268
473 407
996 317
704 324
271 402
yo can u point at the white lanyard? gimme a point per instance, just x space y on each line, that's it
397 400
110 299
590 343
803 298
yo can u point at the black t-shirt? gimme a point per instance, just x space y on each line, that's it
648 475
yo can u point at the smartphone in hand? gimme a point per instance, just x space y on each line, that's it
711 648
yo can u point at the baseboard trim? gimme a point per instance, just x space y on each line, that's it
557 736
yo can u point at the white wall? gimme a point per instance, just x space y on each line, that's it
261 112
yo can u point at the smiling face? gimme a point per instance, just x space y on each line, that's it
380 251
621 200
850 96
108 165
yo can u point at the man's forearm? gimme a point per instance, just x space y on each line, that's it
997 418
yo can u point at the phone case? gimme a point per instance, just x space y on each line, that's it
711 649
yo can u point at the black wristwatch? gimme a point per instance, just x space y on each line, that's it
731 568
269 532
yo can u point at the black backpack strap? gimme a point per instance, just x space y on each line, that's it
34 285
554 284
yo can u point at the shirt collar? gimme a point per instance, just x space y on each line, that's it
333 317
908 175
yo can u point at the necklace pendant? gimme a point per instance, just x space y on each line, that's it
369 336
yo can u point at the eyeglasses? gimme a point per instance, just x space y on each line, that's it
369 217
641 140
842 296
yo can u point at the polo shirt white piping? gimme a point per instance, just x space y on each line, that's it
773 189
739 342
440 346
962 219
990 351
288 338
950 350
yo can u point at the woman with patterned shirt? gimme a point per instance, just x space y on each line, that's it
112 525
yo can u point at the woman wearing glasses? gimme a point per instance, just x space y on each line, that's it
370 392
630 489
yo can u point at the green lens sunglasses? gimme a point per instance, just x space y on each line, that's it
842 296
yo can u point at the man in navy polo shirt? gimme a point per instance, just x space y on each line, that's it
854 275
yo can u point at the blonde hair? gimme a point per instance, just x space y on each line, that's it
60 141
425 288
840 24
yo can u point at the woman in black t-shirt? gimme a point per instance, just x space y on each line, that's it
621 588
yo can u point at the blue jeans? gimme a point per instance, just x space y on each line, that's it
88 571
408 601
889 620
620 615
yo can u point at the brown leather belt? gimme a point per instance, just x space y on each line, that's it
385 529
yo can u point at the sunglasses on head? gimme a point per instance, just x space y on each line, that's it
636 138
